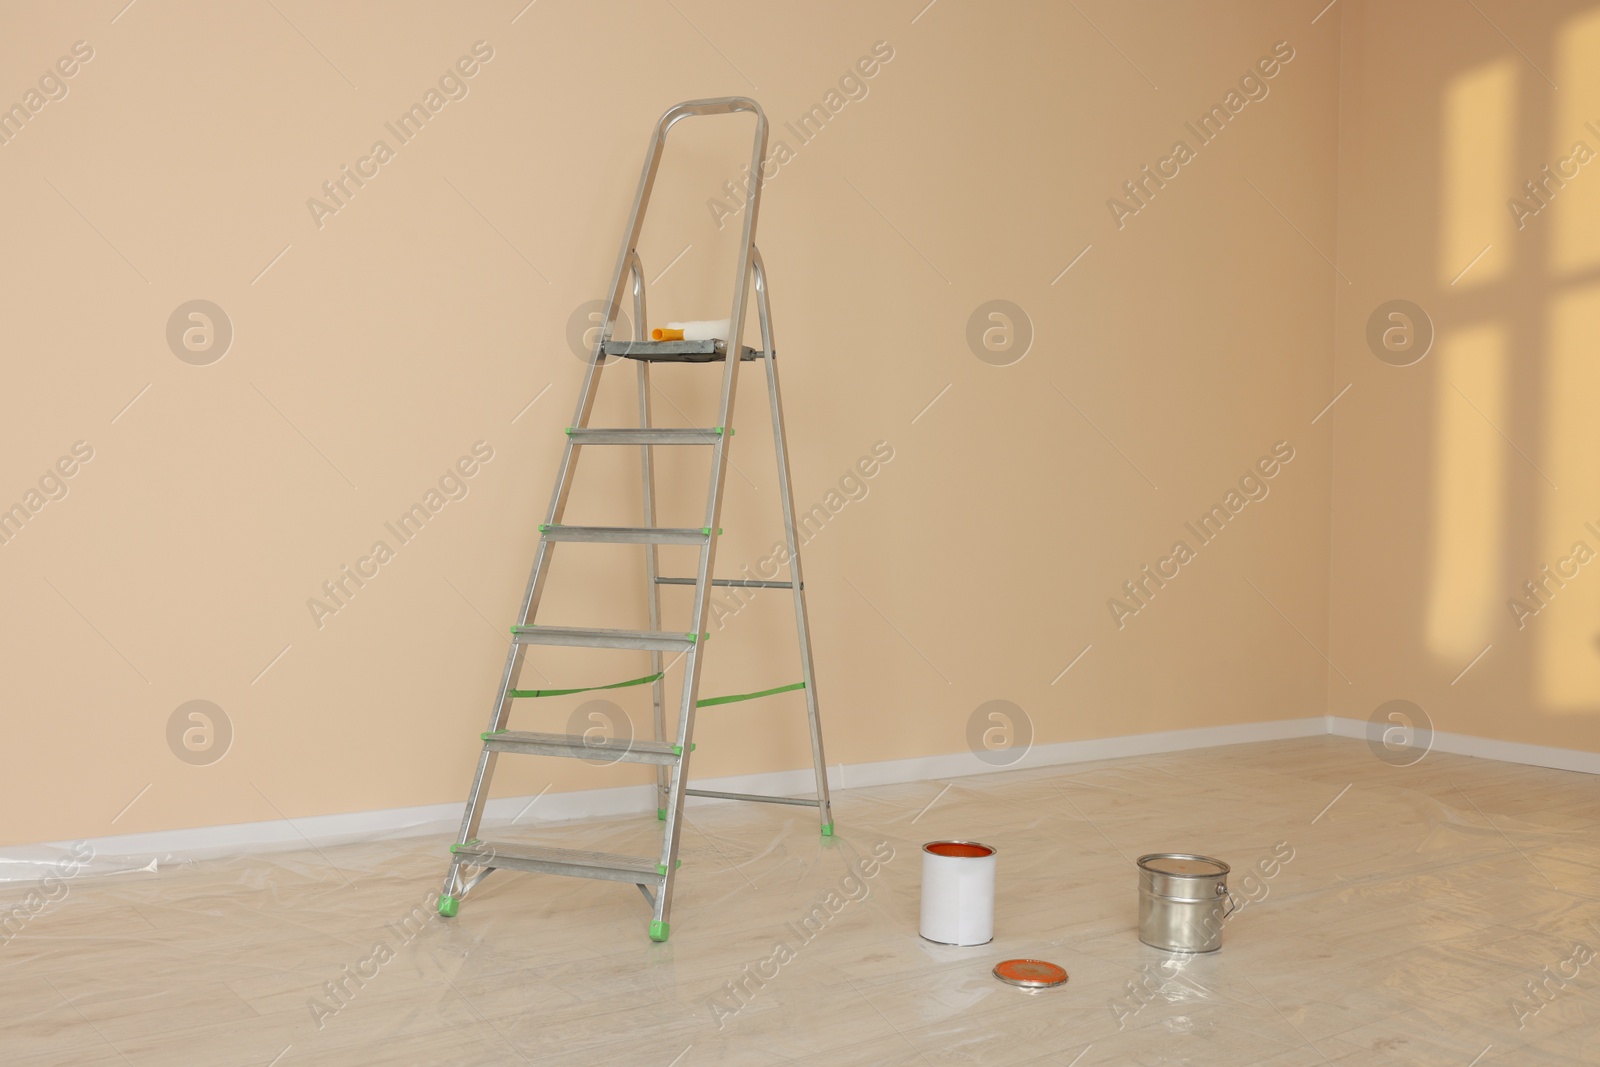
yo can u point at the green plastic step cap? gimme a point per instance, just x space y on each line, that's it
658 930
661 813
448 906
661 868
465 844
827 829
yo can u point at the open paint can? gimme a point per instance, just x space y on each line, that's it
958 892
1181 901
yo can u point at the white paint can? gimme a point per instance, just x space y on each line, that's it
958 892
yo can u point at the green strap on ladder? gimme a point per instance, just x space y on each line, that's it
586 689
706 703
709 701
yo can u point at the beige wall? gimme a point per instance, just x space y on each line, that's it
1460 477
426 313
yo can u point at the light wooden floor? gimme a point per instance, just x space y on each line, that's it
1413 914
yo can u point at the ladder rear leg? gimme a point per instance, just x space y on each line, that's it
651 560
796 579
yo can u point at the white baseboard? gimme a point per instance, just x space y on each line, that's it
238 838
1559 759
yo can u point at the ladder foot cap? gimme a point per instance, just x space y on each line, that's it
661 814
658 930
448 906
827 829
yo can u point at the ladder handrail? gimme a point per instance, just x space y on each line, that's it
716 105
722 105
628 261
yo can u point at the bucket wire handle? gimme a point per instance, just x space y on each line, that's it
1233 902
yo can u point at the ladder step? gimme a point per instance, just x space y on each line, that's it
580 747
584 637
607 866
714 351
736 583
625 535
583 435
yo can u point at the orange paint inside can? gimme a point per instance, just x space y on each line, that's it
958 849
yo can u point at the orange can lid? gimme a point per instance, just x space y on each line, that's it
1030 974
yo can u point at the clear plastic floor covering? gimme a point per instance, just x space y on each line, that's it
1446 913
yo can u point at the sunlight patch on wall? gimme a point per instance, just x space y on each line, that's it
1465 590
1567 626
1575 203
1479 115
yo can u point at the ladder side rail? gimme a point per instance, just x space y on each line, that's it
791 534
477 796
626 256
702 593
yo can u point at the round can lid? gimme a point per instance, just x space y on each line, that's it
1030 974
1183 865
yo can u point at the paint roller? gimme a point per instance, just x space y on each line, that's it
694 330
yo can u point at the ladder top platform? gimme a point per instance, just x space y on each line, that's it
712 351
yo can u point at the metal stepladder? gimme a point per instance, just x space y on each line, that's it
655 876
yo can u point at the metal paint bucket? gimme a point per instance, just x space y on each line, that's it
1181 899
958 892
